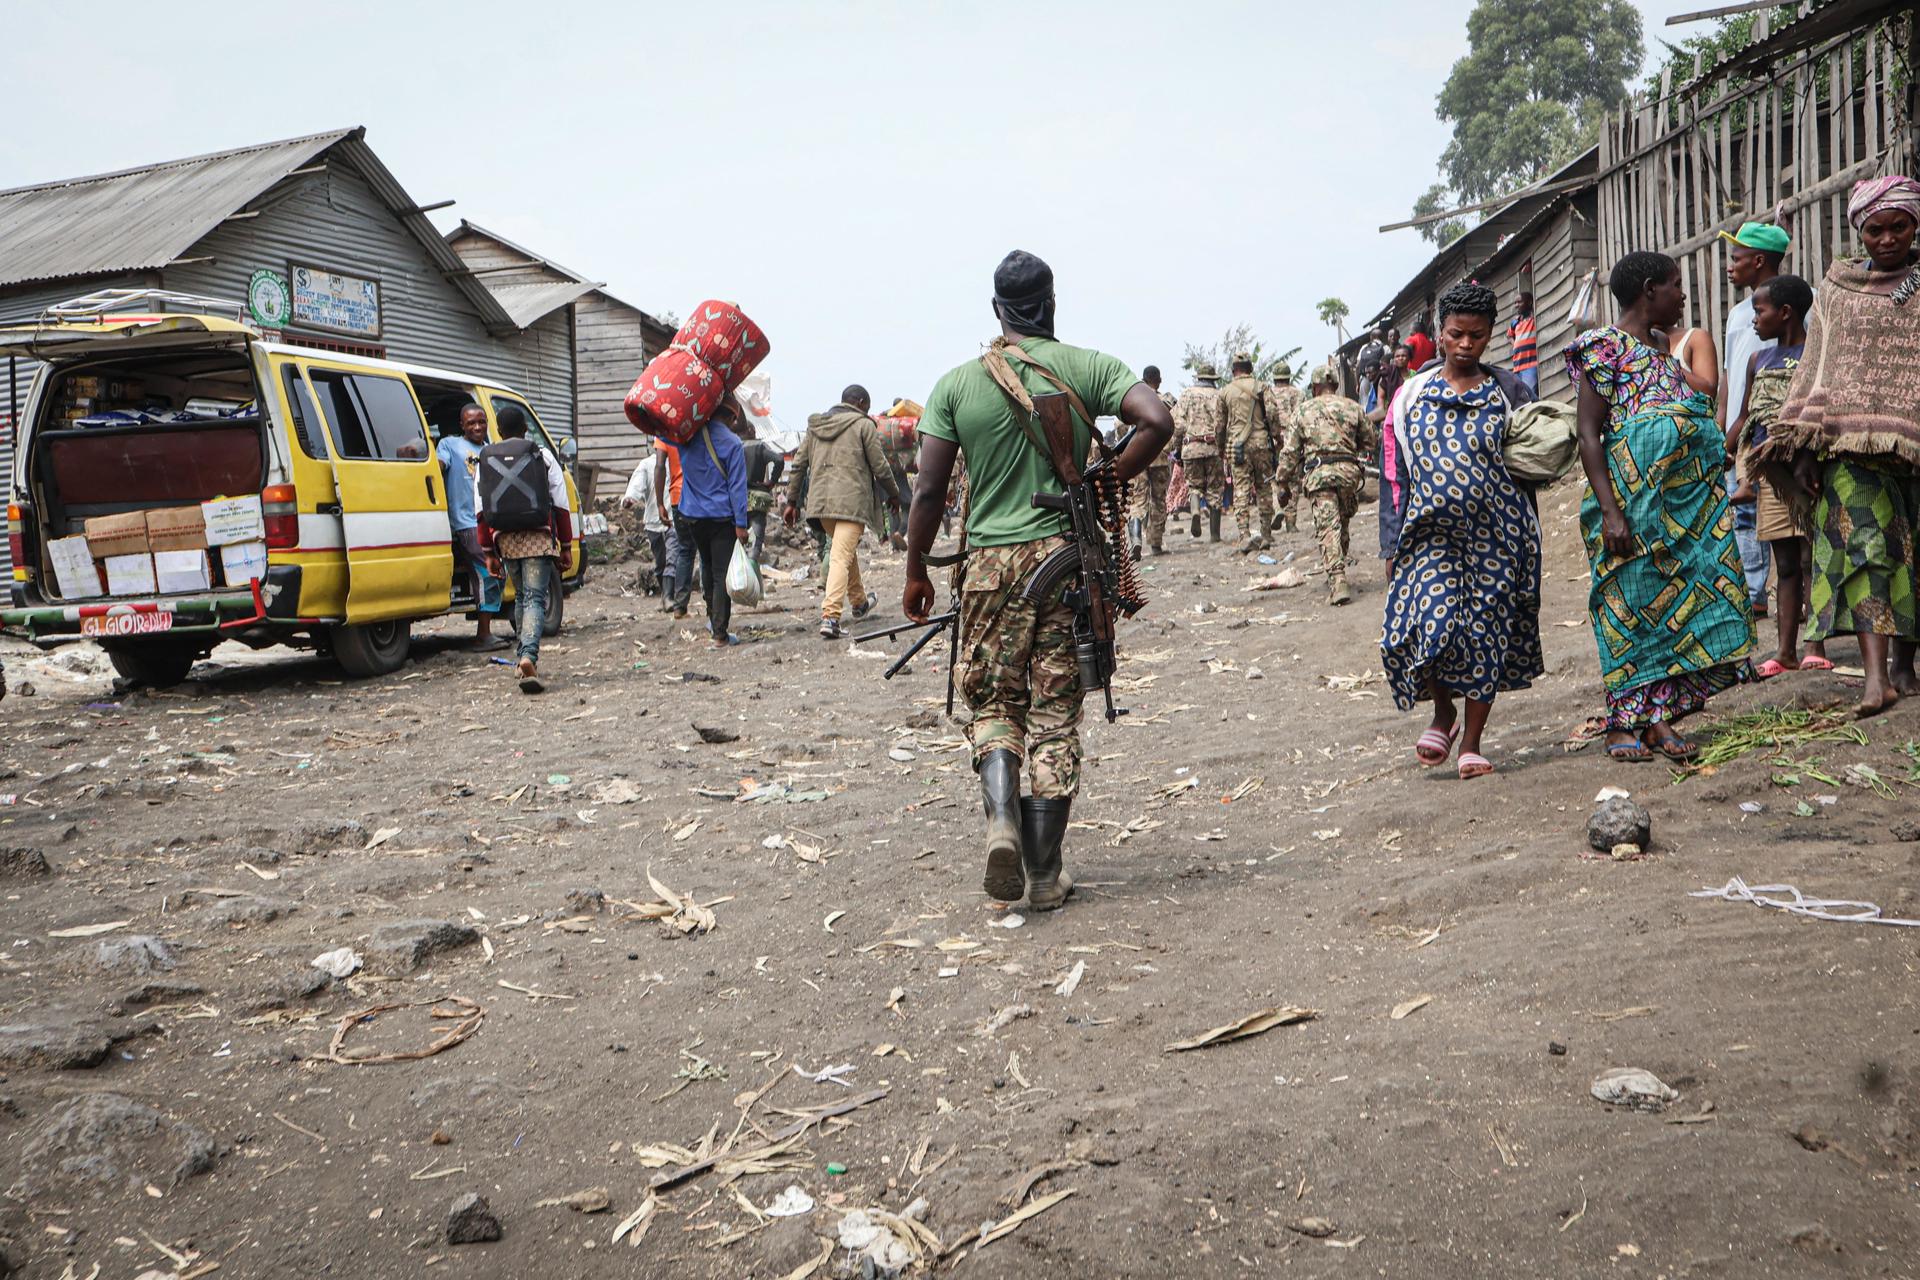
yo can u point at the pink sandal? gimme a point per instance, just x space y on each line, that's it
1439 742
1814 662
1474 765
1770 668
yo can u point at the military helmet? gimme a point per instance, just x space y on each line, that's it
1283 372
1325 376
1204 370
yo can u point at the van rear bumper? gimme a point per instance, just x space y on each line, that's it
206 613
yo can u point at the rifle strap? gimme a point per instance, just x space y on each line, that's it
997 362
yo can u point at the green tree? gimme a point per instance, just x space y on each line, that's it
1446 231
1219 355
1333 313
1530 94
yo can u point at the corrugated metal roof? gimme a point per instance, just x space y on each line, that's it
526 303
1485 239
138 219
519 310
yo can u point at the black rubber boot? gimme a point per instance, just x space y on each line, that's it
1193 528
1213 524
1043 826
1000 789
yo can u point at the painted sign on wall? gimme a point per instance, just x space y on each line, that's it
336 303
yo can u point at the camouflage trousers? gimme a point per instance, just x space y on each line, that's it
1252 499
1286 503
1020 679
1204 482
1332 509
1150 502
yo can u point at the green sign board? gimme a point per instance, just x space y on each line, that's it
269 299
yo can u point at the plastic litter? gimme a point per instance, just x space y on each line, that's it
790 1203
1633 1087
1785 897
341 962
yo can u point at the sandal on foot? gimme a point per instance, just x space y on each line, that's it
1634 752
1436 740
1474 765
1679 749
1814 662
1770 668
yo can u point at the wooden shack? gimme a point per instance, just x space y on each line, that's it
607 341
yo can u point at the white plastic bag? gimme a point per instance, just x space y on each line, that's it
743 578
1585 312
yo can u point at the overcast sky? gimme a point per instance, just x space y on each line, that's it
850 173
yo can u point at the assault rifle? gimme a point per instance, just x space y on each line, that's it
948 622
1103 582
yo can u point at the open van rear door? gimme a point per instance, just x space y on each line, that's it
117 335
393 505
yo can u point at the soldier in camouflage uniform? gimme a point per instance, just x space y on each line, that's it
1021 680
1149 513
1283 401
1250 450
1321 457
1199 433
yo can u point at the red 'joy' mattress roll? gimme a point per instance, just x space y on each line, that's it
674 395
720 334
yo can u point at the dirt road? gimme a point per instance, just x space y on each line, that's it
1255 835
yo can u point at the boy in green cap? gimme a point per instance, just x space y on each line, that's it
1754 253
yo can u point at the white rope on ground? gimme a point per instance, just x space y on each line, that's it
1738 890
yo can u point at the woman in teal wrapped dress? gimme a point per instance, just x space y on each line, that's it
1668 596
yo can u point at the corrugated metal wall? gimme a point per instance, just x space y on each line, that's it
612 347
334 220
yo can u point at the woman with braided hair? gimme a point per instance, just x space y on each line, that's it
1463 604
1668 595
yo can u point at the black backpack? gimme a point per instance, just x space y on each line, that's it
513 486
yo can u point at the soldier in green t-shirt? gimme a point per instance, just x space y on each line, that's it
1021 681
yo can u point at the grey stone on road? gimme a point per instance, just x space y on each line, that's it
104 1139
406 945
471 1221
59 1043
1617 821
17 863
139 953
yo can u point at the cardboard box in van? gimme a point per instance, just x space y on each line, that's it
130 575
176 529
242 562
75 574
231 520
121 535
176 571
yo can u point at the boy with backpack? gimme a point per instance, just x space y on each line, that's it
521 502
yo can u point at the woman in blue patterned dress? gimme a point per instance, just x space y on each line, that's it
1668 595
1463 606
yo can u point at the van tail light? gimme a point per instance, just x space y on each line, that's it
17 537
282 517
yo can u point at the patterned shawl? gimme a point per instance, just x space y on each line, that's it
1857 391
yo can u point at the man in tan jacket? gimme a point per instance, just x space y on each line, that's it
838 467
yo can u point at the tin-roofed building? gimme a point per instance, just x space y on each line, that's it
609 340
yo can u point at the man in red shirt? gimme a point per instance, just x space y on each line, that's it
1526 348
1420 345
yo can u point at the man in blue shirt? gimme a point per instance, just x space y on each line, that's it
459 461
713 505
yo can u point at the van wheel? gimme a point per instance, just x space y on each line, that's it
156 664
371 649
556 611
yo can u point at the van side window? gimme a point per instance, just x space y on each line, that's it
540 436
304 425
371 416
